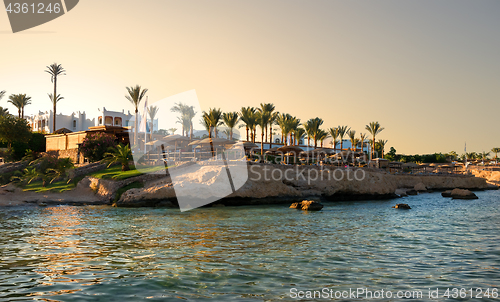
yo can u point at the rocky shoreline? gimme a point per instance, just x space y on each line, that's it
266 184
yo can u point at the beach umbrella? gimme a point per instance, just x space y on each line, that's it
286 149
62 131
213 141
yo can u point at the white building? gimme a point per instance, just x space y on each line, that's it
121 119
42 122
78 121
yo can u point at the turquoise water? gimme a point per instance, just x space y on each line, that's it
67 253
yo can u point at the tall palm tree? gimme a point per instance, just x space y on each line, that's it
135 96
496 151
213 119
322 135
484 155
309 131
230 119
19 101
382 144
272 121
299 134
152 111
55 70
172 130
362 138
293 125
334 133
262 120
315 123
352 137
342 132
249 118
374 128
267 108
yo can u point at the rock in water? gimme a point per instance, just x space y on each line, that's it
307 205
411 192
463 194
446 193
402 206
420 187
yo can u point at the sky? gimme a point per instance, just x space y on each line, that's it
427 71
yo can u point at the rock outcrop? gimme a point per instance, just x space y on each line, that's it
269 184
403 206
420 187
446 193
462 194
307 205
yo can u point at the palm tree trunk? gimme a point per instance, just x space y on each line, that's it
191 131
54 98
231 134
19 112
247 133
315 142
262 146
270 137
373 146
136 124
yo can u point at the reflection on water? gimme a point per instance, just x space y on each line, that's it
100 253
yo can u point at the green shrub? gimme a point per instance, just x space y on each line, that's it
95 145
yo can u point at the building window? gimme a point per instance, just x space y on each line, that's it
118 121
43 124
108 121
74 124
100 120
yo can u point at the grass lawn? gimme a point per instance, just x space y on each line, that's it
116 173
55 187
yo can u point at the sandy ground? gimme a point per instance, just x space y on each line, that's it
10 196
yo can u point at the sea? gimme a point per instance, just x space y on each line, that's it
439 250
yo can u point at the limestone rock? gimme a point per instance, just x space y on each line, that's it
401 192
420 187
446 193
307 205
403 206
412 192
463 194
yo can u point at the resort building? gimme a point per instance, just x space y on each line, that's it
42 122
121 119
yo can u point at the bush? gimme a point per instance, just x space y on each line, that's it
95 145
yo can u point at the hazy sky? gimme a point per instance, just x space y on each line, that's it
428 71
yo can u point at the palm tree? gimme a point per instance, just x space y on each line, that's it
189 114
315 123
496 151
342 132
55 70
57 99
374 128
213 119
293 126
309 131
362 138
152 111
382 144
484 155
19 101
352 137
3 111
2 93
322 135
135 96
172 130
334 133
262 120
120 154
272 121
299 134
248 117
230 119
268 109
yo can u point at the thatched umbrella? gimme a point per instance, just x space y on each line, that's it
213 142
272 150
62 131
286 149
